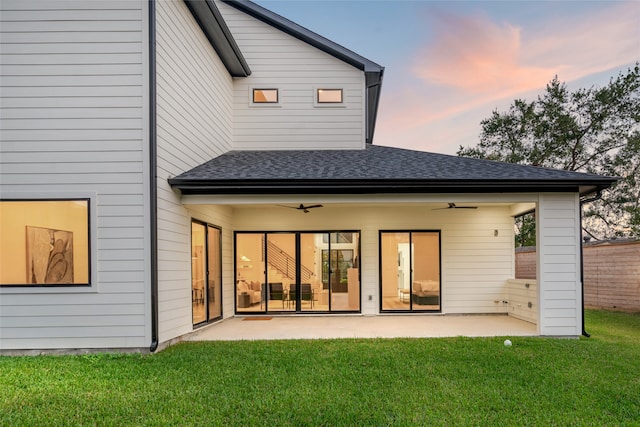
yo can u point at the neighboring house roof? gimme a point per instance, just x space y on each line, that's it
375 169
212 24
373 72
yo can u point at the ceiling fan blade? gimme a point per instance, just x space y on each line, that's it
453 206
301 207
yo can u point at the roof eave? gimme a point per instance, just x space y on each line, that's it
373 81
215 29
246 187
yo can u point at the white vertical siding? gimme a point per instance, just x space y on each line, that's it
558 241
278 60
195 124
74 96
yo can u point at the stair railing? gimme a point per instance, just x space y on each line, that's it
285 264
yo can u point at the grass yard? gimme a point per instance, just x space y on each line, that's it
458 381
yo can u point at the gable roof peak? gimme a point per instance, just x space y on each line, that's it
373 72
306 35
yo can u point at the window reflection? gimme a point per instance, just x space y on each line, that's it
265 96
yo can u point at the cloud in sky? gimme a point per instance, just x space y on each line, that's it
477 56
473 62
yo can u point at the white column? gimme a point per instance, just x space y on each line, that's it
558 243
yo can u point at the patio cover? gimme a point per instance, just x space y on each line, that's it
376 169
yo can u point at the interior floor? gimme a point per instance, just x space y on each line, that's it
396 303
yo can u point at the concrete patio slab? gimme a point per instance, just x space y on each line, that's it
358 326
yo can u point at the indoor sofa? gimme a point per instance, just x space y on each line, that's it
426 292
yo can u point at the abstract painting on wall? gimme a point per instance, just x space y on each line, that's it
49 256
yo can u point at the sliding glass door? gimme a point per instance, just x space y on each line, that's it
410 270
297 272
206 273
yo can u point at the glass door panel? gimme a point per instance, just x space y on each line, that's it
426 271
251 286
313 297
395 271
198 273
214 286
344 276
352 266
282 267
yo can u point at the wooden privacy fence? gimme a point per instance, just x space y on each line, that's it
611 273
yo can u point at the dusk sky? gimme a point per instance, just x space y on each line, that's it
449 64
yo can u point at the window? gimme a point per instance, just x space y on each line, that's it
44 242
265 96
329 96
410 270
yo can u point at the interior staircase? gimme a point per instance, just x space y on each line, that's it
282 267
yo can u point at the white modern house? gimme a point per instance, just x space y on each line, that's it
168 164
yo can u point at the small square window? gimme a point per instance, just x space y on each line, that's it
329 96
265 96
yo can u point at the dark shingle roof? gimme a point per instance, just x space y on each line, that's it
375 169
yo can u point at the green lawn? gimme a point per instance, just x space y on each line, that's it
459 381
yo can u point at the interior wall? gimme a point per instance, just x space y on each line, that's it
426 247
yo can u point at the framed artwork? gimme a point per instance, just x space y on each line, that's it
49 256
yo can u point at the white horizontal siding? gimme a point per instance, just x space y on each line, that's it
278 60
73 119
475 268
558 239
195 124
520 294
476 263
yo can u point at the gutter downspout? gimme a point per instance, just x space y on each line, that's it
583 202
153 192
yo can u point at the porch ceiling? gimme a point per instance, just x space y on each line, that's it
517 203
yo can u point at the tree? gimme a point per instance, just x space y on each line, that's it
595 130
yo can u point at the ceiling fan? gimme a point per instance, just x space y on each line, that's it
453 206
302 207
